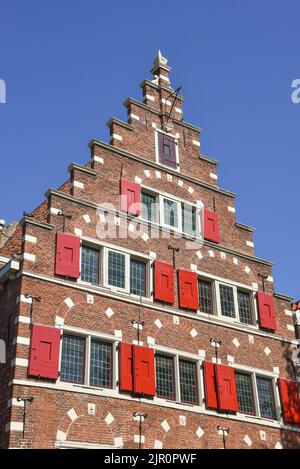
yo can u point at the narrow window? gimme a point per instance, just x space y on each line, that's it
90 265
101 364
165 377
205 296
189 219
72 359
265 397
245 311
148 207
116 269
137 277
188 381
170 213
227 301
166 150
244 393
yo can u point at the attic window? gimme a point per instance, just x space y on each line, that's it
167 151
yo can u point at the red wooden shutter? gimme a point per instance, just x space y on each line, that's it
44 352
290 402
143 370
211 226
125 367
226 388
130 197
266 309
67 255
188 289
167 150
211 398
163 282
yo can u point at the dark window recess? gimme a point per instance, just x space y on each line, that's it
148 206
101 364
90 265
137 277
189 223
188 381
245 311
165 377
116 269
167 150
205 296
244 391
227 301
72 359
265 397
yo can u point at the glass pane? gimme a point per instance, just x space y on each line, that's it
137 277
116 269
189 219
165 376
205 296
170 213
227 301
72 359
244 393
265 397
101 364
245 307
90 265
148 207
166 150
188 381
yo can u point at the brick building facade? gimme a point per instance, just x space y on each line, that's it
149 336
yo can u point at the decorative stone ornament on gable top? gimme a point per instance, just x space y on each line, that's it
160 60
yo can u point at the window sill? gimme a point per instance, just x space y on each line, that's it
223 320
115 291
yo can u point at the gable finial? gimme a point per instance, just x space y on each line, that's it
159 60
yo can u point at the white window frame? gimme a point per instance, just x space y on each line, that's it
127 270
176 356
89 336
104 248
161 195
263 374
179 214
177 169
215 282
157 206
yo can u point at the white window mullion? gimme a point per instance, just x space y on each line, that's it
218 299
254 308
236 304
177 379
115 368
255 393
127 273
87 360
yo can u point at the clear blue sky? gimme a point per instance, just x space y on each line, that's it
69 65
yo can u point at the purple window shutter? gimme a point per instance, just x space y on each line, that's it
167 150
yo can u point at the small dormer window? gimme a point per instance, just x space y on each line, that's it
166 150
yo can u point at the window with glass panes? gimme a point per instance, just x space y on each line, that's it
170 213
149 206
188 381
244 389
137 277
265 397
244 302
101 364
227 300
90 265
189 223
165 376
116 269
205 296
72 359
